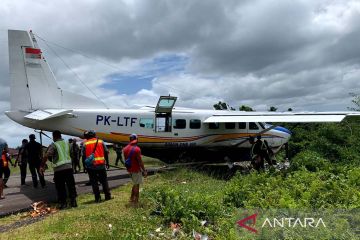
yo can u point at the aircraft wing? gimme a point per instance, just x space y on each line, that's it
47 113
280 117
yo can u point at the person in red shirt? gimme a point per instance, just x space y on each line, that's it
136 169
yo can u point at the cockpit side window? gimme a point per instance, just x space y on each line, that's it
195 123
146 122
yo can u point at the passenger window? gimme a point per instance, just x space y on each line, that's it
146 122
179 124
214 125
253 126
230 125
242 125
195 124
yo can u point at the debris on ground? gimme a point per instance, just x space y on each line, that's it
41 209
203 223
198 236
39 212
175 227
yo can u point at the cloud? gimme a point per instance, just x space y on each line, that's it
299 54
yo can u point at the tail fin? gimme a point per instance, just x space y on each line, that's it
33 84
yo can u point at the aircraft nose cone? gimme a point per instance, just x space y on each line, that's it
286 133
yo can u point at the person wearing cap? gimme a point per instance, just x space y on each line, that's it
34 151
136 169
3 147
59 153
96 168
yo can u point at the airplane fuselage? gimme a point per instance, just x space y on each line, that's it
186 133
165 132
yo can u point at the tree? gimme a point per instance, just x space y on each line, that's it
246 108
290 109
272 109
220 106
356 101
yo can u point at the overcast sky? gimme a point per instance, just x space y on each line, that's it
295 53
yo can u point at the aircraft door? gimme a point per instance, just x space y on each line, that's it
163 113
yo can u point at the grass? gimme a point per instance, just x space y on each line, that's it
188 197
91 221
88 221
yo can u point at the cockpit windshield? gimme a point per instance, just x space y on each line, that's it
266 125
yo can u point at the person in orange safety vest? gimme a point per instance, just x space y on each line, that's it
5 158
3 148
95 155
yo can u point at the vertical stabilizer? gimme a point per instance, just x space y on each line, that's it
33 85
19 90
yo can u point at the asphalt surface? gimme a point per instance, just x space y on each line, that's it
19 198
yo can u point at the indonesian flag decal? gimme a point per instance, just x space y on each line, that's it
33 53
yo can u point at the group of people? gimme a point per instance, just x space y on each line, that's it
260 151
30 153
65 158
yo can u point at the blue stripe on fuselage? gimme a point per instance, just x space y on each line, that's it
282 129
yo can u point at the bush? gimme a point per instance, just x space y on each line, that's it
297 189
310 160
337 142
190 200
176 206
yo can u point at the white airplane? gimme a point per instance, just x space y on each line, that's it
165 132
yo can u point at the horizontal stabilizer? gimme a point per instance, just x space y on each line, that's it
47 113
